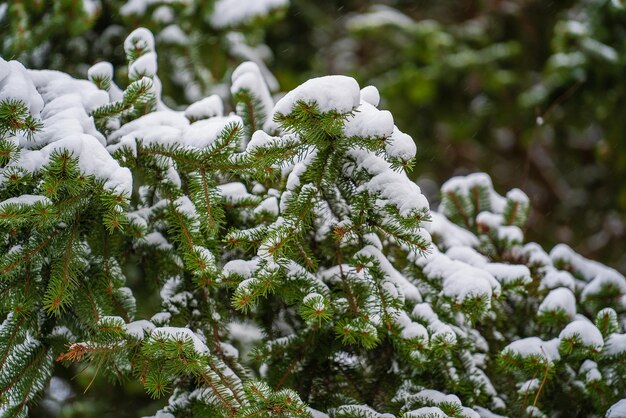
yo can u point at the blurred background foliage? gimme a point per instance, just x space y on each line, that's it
532 92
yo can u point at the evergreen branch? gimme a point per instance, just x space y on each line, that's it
27 258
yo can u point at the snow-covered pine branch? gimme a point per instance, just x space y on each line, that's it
301 272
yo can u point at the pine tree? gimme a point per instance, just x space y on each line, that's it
199 40
299 268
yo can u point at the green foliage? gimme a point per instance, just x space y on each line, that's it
277 260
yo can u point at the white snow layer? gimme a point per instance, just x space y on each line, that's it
584 330
615 345
618 410
534 346
331 93
25 200
139 39
64 105
140 7
394 188
562 299
228 13
176 333
248 76
205 108
15 84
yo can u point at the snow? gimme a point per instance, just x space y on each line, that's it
469 413
485 413
205 255
426 411
293 180
599 49
260 139
235 192
335 93
163 14
464 284
516 195
467 255
5 69
463 184
368 122
588 269
508 273
228 13
370 94
316 414
589 369
242 268
535 254
244 286
53 85
140 7
461 280
173 34
25 200
63 116
244 332
315 298
434 397
139 329
248 76
100 70
269 205
203 133
615 345
145 65
409 291
394 188
534 346
411 329
401 145
618 410
59 389
602 281
377 16
93 159
176 333
511 234
531 385
414 330
115 320
16 84
358 410
186 207
161 317
449 234
239 48
151 120
148 136
558 278
587 332
562 299
141 39
229 350
170 129
490 220
206 108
